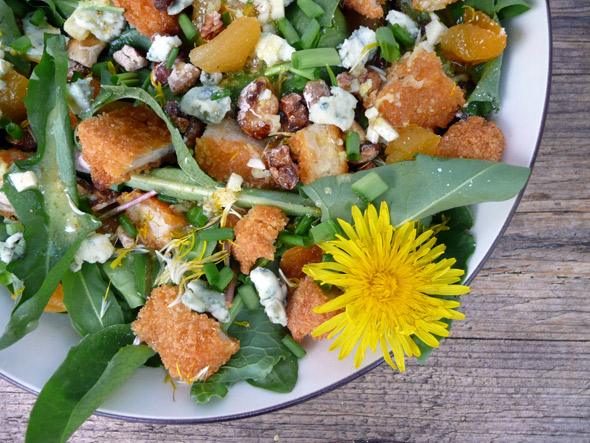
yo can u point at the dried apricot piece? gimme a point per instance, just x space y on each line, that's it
412 140
11 97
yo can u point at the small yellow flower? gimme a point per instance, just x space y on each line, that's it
391 282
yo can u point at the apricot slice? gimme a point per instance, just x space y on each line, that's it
11 97
412 140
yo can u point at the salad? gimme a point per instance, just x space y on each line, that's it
202 185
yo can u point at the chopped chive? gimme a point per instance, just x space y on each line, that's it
188 29
288 31
293 346
332 76
369 187
315 58
310 8
37 17
295 240
353 146
21 44
312 74
233 310
402 36
304 225
310 34
325 231
226 18
116 187
196 216
172 58
167 199
15 131
226 275
249 295
128 226
222 93
216 234
212 273
389 46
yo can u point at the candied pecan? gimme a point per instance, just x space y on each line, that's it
295 111
212 26
195 130
77 67
161 74
130 58
99 198
162 5
313 91
183 77
282 168
179 118
26 144
259 108
348 82
368 152
369 82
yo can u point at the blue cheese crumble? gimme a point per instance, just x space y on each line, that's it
353 52
272 49
96 248
161 47
336 109
80 95
36 35
13 248
399 18
197 102
199 297
272 293
88 18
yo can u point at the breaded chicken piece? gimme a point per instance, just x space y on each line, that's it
431 5
368 8
7 158
319 151
256 234
473 138
224 149
301 320
123 142
295 258
418 92
191 345
156 221
147 19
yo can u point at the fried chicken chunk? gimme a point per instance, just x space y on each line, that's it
418 92
431 5
473 138
319 150
157 222
256 234
301 320
191 345
122 142
368 8
224 148
295 258
147 19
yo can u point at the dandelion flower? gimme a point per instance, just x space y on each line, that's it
392 285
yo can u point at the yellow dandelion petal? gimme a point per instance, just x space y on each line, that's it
391 283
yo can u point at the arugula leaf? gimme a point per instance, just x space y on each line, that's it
511 8
186 161
54 227
91 372
9 31
421 187
282 378
134 278
485 98
260 350
90 302
131 37
459 244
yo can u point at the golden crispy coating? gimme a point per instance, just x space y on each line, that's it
156 221
147 19
368 8
295 258
473 138
418 92
122 142
256 234
431 5
7 158
190 344
319 151
301 320
224 148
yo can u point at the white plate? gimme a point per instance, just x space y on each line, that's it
146 397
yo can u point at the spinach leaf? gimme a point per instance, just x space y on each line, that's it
282 378
51 11
421 187
332 36
485 98
186 161
329 7
511 8
90 302
54 227
91 372
453 13
131 37
260 350
134 277
459 244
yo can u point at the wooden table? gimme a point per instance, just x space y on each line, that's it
517 369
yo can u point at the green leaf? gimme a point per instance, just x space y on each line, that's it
134 278
131 37
54 227
421 187
109 93
453 13
485 98
9 31
332 36
260 350
91 372
329 7
90 302
282 378
459 244
511 8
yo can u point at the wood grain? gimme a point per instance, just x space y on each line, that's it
516 370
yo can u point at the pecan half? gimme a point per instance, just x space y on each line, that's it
282 168
368 152
195 129
130 58
295 111
259 108
313 91
183 77
179 118
162 5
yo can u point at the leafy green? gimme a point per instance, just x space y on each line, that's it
511 8
459 244
282 378
485 98
9 31
54 227
329 7
332 36
453 13
133 278
91 372
131 37
186 161
421 187
90 302
260 350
